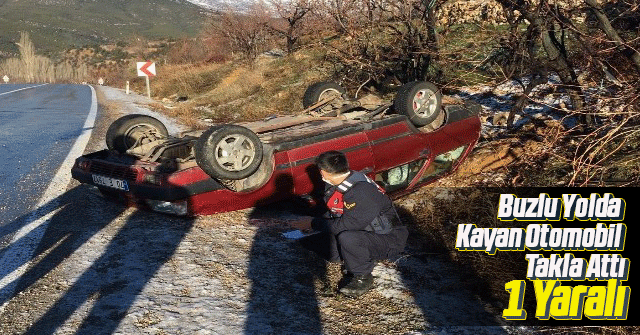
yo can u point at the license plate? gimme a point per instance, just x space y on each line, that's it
110 182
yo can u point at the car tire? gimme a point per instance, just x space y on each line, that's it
124 132
228 152
421 101
319 91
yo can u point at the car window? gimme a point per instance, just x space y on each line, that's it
399 177
443 163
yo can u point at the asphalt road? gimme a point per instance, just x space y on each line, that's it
38 125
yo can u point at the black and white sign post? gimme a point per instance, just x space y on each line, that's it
147 69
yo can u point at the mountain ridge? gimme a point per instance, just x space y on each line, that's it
59 24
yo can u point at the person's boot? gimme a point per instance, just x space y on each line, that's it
345 280
358 285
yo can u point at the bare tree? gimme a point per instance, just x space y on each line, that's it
605 25
387 39
28 57
31 67
418 36
12 67
292 14
546 23
245 33
337 10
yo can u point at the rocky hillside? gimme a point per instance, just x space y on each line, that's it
486 11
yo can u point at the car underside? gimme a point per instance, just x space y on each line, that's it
235 166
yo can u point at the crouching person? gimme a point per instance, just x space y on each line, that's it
362 224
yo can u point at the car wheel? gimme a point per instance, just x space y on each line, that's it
135 129
320 91
421 101
228 152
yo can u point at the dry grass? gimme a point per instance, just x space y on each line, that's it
187 80
237 91
240 84
435 223
188 115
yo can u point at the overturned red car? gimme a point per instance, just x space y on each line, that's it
402 145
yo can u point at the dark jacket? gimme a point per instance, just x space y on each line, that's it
360 206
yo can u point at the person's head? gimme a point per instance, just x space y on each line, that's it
333 166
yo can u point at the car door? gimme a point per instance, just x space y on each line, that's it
353 142
399 152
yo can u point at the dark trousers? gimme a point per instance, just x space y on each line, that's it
360 250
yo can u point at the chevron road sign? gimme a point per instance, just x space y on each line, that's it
146 69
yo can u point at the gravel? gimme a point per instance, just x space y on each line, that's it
103 268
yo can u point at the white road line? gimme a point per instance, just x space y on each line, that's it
18 254
22 89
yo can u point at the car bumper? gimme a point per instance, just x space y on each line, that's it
154 192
